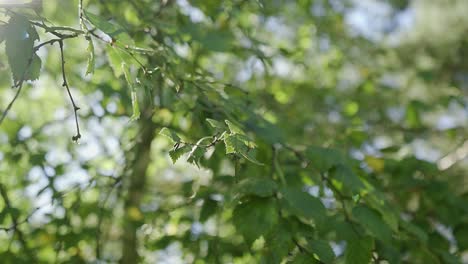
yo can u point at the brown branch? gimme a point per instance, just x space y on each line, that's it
65 84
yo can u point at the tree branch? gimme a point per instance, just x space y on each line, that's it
65 84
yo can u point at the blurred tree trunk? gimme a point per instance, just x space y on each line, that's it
135 178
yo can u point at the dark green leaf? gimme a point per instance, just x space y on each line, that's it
372 221
461 235
359 251
277 245
262 187
209 207
255 218
347 179
303 204
414 230
20 36
304 258
323 159
323 250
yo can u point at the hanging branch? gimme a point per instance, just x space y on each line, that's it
65 84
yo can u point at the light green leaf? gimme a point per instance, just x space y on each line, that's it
169 134
115 31
133 92
115 60
91 59
234 128
303 204
255 218
372 222
359 251
262 187
175 154
240 144
195 155
216 124
323 250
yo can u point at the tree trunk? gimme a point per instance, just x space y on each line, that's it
135 182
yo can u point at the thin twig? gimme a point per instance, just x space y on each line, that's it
65 84
5 113
18 85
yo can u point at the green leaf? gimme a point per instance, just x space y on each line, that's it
303 204
133 92
262 187
20 36
255 218
118 57
277 244
322 249
413 118
347 178
378 203
209 207
195 155
240 144
323 159
2 33
115 31
34 69
461 235
234 128
414 230
447 257
372 221
208 38
216 124
169 134
303 258
359 251
91 59
115 60
176 153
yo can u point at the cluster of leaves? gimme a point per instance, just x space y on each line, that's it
278 192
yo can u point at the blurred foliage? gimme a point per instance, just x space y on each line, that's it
308 131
